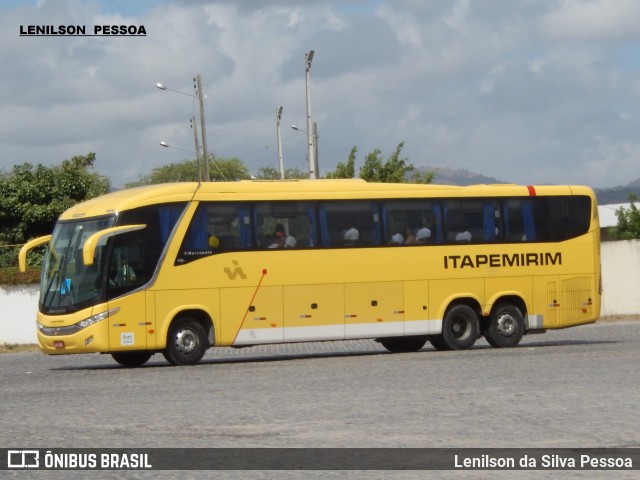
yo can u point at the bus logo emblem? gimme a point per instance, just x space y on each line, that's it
237 271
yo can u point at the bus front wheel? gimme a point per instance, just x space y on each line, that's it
131 359
505 326
186 342
460 328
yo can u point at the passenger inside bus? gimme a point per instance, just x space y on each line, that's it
423 235
409 236
396 239
290 242
351 237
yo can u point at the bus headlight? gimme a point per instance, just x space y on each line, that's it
87 322
71 329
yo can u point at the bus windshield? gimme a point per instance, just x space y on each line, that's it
125 262
66 283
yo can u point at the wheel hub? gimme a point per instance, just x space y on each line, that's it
186 341
506 325
459 327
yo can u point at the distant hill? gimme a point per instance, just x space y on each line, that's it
461 177
620 194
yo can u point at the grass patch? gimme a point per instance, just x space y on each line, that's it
13 276
16 348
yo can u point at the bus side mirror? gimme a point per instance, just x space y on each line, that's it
22 256
101 237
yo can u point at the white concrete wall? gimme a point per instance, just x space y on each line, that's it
18 307
620 280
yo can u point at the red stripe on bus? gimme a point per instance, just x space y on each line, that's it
532 190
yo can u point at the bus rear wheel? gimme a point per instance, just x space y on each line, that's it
403 344
505 326
460 328
186 342
131 359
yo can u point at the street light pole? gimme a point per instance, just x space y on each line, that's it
197 85
280 160
308 58
197 145
314 134
205 153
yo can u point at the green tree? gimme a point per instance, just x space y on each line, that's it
220 169
394 169
346 170
628 227
33 197
270 172
228 169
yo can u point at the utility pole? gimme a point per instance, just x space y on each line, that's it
280 160
205 153
197 145
315 149
311 140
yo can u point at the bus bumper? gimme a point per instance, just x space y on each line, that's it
94 338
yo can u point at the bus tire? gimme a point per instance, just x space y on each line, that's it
131 359
186 342
505 327
438 343
460 328
403 344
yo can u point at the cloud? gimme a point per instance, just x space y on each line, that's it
592 20
530 92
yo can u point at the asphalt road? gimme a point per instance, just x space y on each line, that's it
564 389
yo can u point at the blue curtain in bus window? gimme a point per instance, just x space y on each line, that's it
383 212
255 240
527 219
489 223
313 232
324 227
245 227
506 236
197 238
168 216
437 227
375 215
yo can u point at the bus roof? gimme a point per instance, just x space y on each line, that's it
252 190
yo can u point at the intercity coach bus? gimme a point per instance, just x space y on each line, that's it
178 268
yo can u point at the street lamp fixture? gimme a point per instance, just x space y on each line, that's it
313 139
166 145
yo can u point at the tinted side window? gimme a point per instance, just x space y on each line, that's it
285 225
349 223
518 221
216 227
561 218
411 222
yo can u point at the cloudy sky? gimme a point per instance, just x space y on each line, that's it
527 91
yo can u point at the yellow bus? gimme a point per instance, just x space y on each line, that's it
178 268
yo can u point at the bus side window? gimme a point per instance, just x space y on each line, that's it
476 220
409 222
517 220
350 223
228 227
216 227
285 225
